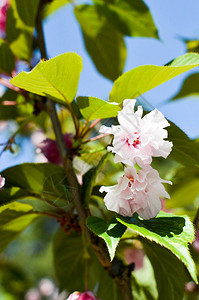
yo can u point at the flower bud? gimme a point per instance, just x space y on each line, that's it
50 149
82 296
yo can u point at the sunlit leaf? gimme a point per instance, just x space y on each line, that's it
111 232
53 6
29 180
93 108
20 25
170 231
144 78
56 78
131 18
15 217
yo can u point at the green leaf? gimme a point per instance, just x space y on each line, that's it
184 194
89 178
170 231
93 108
144 78
103 42
14 218
72 253
7 60
168 270
131 18
14 106
50 8
111 233
192 46
42 181
185 151
20 25
189 87
56 78
144 283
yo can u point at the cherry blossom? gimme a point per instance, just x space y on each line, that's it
4 5
137 139
2 181
136 192
82 296
50 150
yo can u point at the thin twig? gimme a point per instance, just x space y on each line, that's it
96 138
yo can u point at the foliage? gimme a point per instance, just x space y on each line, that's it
89 243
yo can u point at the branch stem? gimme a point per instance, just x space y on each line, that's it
122 277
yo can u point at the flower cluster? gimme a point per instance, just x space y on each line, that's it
136 141
82 296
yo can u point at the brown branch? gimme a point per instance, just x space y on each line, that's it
117 270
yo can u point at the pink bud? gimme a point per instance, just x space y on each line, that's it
2 181
82 296
50 150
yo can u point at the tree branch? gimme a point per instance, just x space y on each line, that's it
122 273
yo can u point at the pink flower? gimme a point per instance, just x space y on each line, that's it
50 150
137 139
2 181
136 192
82 296
4 5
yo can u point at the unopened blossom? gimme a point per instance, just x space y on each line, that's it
137 139
4 5
136 192
2 181
50 149
82 296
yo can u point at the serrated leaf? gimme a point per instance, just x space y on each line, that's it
42 181
131 18
189 88
144 78
7 60
103 42
93 108
184 150
20 24
170 231
14 218
71 253
56 78
168 271
111 232
50 8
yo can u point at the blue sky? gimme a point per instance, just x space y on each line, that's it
174 19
